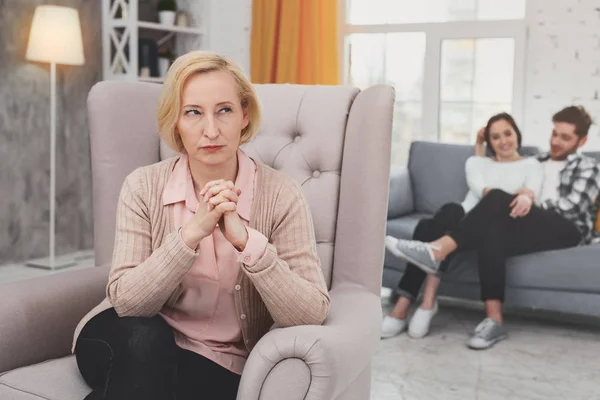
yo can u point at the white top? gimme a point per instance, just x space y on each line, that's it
483 172
551 180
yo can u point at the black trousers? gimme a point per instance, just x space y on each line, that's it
135 358
495 235
490 230
427 230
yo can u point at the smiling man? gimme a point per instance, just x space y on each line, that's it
571 179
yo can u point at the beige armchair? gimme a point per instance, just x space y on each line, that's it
335 141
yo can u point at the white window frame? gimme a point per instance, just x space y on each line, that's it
435 33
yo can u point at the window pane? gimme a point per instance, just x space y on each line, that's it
494 69
455 122
396 59
366 59
404 70
361 12
476 83
406 128
478 70
457 70
366 12
459 122
404 65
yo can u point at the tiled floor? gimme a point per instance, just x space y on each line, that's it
542 359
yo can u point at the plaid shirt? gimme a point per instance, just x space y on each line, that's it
577 193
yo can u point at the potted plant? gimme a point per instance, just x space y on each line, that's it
167 10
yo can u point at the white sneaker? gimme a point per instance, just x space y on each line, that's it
391 327
420 322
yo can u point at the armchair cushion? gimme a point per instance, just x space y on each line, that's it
54 379
38 316
336 353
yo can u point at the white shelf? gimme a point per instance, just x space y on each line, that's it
151 79
120 23
170 28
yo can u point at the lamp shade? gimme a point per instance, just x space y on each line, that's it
55 36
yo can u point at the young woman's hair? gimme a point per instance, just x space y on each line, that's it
508 118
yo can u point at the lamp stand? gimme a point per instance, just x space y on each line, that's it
51 262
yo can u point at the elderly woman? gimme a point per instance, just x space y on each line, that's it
211 249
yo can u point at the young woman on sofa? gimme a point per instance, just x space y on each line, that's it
211 249
507 170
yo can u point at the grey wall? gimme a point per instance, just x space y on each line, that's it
25 137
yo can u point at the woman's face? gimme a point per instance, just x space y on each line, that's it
504 140
212 118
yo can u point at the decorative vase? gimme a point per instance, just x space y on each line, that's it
167 17
163 66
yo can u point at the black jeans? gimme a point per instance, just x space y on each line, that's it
135 358
489 229
427 230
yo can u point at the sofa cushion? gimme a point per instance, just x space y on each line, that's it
57 379
400 197
593 154
437 174
575 269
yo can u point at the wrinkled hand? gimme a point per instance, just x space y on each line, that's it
520 206
203 223
223 193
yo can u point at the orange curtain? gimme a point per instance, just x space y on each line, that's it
294 41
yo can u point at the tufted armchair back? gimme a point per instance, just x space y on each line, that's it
334 141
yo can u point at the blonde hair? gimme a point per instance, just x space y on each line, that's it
197 62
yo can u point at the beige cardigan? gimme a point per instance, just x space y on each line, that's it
285 286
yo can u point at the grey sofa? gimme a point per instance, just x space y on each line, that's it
565 280
316 135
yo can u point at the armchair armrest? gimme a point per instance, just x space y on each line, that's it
316 362
401 196
38 316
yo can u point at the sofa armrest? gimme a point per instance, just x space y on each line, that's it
319 361
401 195
38 316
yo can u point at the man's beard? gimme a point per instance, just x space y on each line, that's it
563 155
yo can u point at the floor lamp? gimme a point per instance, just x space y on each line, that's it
55 38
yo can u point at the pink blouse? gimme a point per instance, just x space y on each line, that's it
204 318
